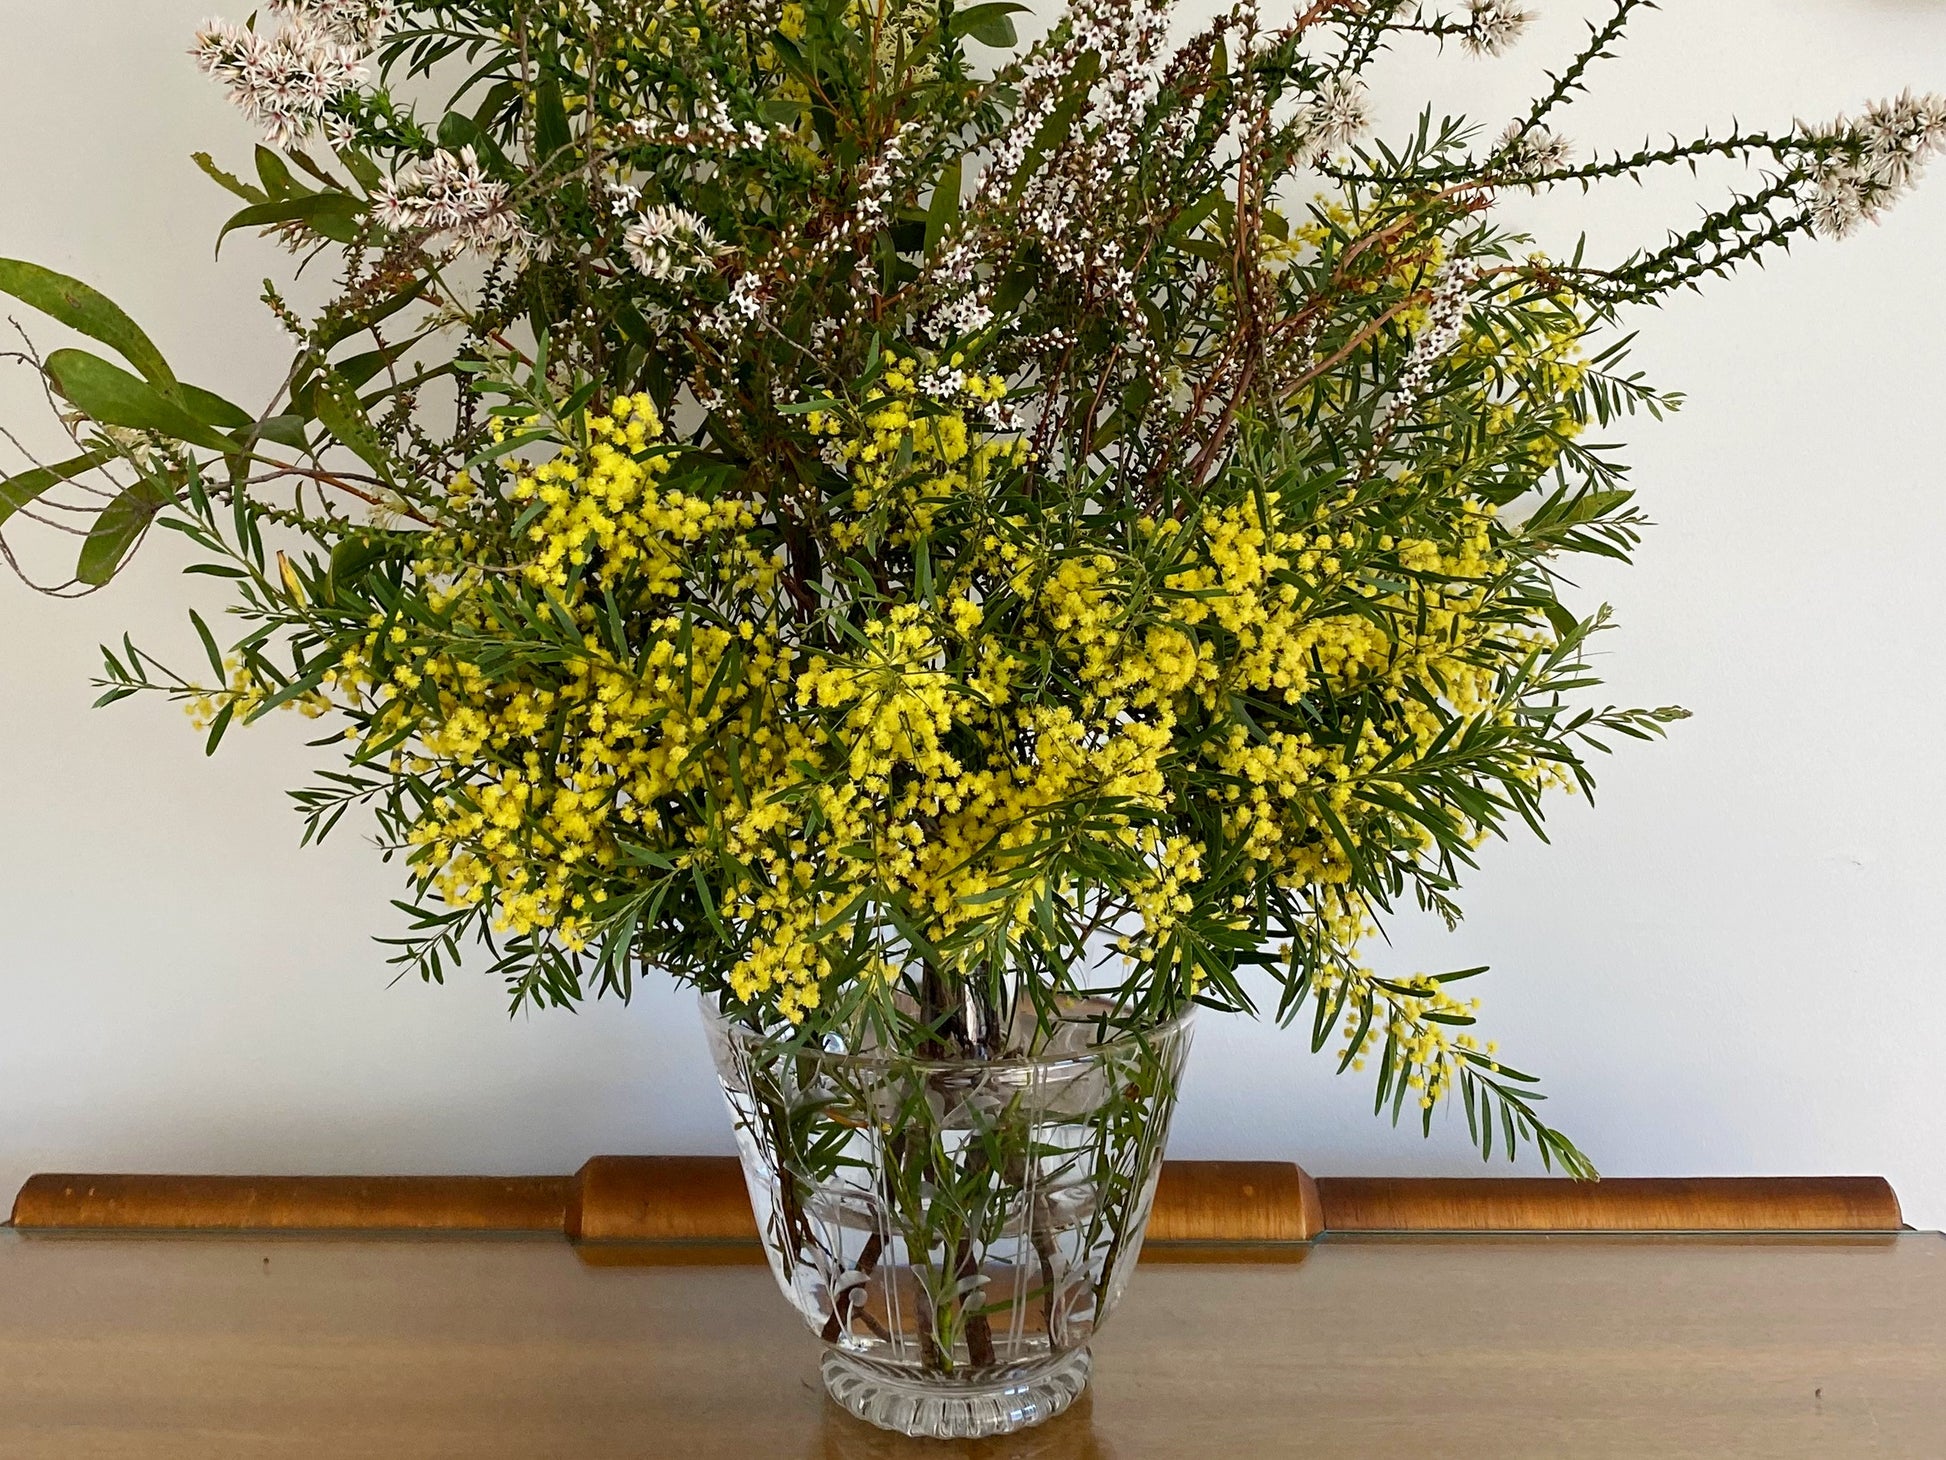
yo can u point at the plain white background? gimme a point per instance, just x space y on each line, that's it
1731 965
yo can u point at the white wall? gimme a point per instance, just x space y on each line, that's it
1731 965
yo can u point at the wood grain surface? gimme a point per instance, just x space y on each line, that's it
1633 1204
1199 1202
1203 1209
293 1203
429 1348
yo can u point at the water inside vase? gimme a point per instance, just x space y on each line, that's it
957 1223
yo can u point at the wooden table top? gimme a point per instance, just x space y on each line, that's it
1576 1346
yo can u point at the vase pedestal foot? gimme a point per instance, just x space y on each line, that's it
942 1409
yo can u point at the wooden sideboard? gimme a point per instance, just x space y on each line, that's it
120 1347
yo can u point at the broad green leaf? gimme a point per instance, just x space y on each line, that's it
285 431
118 528
109 394
988 24
17 491
342 330
339 221
334 215
363 168
276 176
457 130
944 209
229 182
84 309
340 413
309 165
212 410
1187 221
357 369
551 132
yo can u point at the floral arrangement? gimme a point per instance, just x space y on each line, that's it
900 528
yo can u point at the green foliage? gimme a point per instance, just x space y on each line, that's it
17 491
84 309
111 396
118 528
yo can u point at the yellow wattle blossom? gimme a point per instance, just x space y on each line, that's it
907 453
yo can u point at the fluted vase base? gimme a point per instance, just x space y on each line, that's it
937 1407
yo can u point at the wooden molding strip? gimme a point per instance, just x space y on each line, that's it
694 1208
1619 1204
1253 1202
293 1203
699 1202
660 1199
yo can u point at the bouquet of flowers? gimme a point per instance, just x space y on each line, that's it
908 532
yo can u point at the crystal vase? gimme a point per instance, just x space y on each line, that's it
954 1230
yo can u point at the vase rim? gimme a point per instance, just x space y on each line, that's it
1162 1029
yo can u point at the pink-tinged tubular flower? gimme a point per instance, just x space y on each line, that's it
1445 322
1492 26
1876 159
1532 152
360 23
669 243
284 83
448 199
1336 115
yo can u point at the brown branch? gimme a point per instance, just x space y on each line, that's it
1208 454
1352 345
329 479
1317 12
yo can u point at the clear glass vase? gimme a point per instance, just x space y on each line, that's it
955 1230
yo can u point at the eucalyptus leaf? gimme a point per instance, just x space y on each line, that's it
229 182
333 215
109 394
87 311
116 531
17 491
989 24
